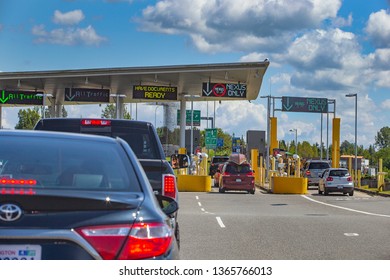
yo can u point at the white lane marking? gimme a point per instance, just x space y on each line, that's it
197 197
219 220
202 209
200 204
347 209
351 234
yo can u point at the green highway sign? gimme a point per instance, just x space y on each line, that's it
26 97
196 120
211 138
304 104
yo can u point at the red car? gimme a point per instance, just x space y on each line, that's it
236 175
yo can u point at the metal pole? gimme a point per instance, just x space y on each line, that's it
327 135
214 115
192 127
356 167
296 140
321 138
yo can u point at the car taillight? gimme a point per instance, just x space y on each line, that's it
97 122
329 179
18 182
250 173
169 185
349 179
125 242
17 191
226 174
307 172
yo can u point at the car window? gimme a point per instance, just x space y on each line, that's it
339 173
60 163
217 160
238 169
319 165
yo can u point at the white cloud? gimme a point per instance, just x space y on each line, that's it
70 35
231 25
69 18
386 104
67 36
378 28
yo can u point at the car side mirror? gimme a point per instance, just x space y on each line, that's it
168 204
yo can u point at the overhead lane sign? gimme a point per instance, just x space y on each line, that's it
154 92
87 95
304 104
24 97
224 90
211 138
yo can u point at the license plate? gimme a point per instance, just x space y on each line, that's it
238 180
340 186
20 252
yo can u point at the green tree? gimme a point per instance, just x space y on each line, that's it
63 114
28 118
109 112
382 139
347 148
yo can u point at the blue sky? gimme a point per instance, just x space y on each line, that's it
317 48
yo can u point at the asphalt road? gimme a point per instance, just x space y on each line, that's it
265 226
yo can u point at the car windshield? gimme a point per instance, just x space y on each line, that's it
238 169
339 173
139 141
219 159
65 163
318 165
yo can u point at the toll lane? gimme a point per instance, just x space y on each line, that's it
268 226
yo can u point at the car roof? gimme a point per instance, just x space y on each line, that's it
114 121
338 168
56 134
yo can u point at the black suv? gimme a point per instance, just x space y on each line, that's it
142 138
215 161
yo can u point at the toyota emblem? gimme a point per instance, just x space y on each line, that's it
10 212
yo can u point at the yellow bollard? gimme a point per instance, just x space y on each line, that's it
254 164
298 168
262 172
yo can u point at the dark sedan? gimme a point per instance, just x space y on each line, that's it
74 196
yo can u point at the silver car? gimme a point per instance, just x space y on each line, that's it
313 169
336 180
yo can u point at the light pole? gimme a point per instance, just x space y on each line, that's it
296 139
355 95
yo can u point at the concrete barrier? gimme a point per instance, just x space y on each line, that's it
288 185
194 183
